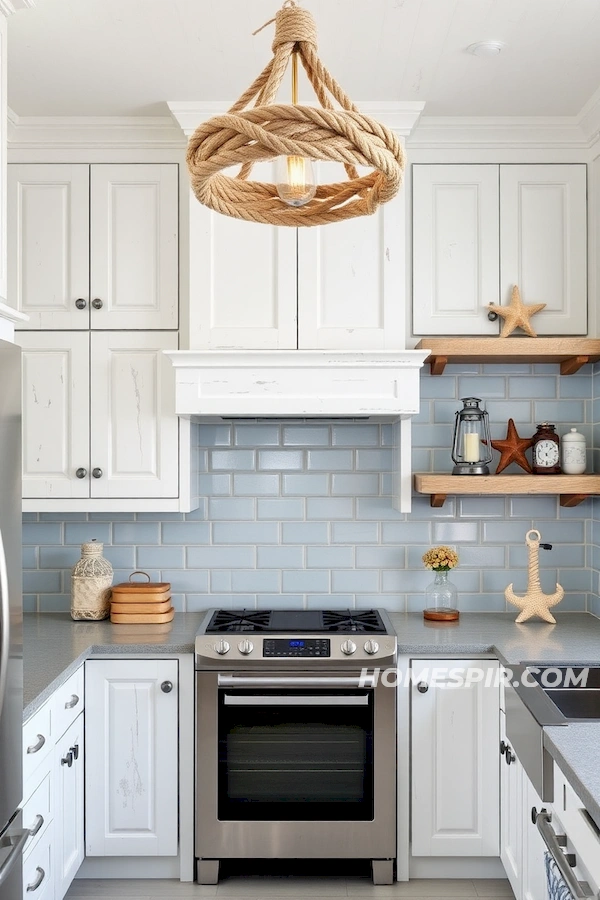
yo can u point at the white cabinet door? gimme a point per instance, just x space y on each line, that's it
534 873
48 244
55 413
351 278
68 817
3 183
134 246
543 237
454 754
511 814
242 281
131 764
134 429
455 248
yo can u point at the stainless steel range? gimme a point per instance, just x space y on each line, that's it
295 751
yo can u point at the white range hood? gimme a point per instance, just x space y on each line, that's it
380 385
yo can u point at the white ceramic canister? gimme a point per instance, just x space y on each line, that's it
573 453
91 579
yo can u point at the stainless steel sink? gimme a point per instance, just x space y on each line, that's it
541 695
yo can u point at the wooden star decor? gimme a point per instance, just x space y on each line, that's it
517 314
512 449
534 602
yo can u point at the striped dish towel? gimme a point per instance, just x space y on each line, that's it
557 889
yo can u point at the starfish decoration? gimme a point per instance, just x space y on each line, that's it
517 314
512 449
534 602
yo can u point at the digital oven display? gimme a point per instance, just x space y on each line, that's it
307 647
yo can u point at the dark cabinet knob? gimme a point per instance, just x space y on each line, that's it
97 473
97 303
166 687
67 760
75 751
422 687
503 748
81 303
510 756
81 472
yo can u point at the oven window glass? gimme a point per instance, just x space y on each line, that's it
293 756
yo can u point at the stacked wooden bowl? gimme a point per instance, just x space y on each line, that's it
141 603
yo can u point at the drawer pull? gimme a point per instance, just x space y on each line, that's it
72 702
35 884
39 821
33 748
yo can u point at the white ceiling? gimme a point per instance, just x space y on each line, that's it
126 57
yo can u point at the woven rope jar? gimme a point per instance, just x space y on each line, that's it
91 579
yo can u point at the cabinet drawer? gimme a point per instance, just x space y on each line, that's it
37 811
38 875
68 703
37 739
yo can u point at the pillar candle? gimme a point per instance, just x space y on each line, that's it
471 447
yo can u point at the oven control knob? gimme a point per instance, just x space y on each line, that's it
245 647
371 647
348 647
222 648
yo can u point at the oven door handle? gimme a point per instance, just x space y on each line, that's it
283 700
579 889
357 681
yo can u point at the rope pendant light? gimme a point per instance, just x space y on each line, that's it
244 136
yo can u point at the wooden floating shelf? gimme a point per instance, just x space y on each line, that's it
571 488
570 353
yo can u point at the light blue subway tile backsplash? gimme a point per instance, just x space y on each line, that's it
300 514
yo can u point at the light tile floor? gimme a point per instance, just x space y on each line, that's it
289 888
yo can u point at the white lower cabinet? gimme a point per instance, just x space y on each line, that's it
69 785
132 758
38 870
454 753
534 873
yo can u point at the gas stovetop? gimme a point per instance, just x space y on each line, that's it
306 637
296 621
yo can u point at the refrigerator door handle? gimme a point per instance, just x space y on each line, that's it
18 842
4 624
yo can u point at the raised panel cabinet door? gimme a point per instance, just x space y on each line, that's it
456 267
56 413
3 183
134 449
69 815
543 241
242 281
454 755
134 246
48 244
131 762
534 872
511 815
351 278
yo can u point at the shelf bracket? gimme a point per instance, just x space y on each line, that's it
568 500
573 364
437 500
437 364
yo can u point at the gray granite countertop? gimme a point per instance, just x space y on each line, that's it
54 646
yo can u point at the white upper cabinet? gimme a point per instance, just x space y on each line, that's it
134 246
480 229
3 185
111 263
543 240
456 264
48 244
351 279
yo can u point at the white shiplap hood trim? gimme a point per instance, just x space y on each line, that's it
297 383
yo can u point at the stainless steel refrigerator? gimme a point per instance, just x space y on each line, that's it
12 834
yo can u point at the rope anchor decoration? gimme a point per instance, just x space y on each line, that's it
244 136
534 602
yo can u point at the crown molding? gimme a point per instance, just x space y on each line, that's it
589 118
401 117
8 7
504 132
92 132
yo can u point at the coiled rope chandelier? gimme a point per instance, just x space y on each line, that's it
297 134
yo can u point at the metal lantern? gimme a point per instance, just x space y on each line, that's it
472 444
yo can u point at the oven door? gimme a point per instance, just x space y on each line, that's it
295 767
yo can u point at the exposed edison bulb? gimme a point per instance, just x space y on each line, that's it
295 180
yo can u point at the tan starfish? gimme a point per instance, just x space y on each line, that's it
517 314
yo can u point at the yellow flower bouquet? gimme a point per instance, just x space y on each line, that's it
440 558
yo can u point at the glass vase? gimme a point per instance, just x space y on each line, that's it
441 598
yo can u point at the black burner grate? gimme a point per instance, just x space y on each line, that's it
363 621
239 620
